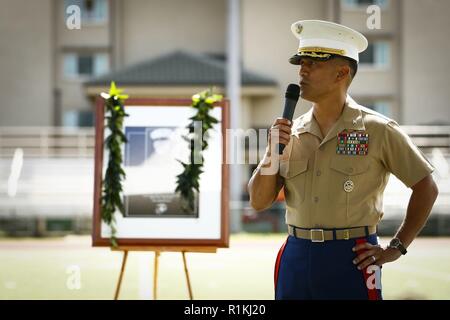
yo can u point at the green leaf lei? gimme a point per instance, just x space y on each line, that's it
188 181
112 182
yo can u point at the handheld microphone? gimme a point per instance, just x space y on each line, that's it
291 98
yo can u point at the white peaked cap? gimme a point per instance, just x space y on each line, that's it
321 39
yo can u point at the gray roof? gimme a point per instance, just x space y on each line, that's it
179 68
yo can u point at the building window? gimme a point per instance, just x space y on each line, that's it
376 55
78 118
92 11
363 4
382 107
85 65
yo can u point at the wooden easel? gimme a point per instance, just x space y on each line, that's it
158 251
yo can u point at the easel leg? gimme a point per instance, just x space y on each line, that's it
187 275
122 269
155 275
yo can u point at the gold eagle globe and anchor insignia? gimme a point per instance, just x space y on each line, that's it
348 186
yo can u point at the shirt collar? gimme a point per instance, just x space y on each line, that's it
350 119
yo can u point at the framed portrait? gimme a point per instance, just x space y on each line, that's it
153 215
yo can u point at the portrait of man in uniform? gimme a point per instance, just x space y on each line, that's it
157 144
150 152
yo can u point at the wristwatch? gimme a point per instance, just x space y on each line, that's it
397 244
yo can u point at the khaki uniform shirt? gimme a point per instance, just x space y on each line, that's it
326 187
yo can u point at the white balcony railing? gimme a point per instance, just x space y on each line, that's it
55 173
47 142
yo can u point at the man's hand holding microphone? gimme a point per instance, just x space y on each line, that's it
280 131
265 184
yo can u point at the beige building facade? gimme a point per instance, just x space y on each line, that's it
405 76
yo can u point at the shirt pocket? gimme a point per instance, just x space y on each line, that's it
294 174
348 180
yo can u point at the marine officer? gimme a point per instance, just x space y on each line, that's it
334 170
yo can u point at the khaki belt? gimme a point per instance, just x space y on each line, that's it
321 235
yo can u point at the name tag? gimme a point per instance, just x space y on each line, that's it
352 143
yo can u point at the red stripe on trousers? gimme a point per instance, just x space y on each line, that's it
372 293
277 263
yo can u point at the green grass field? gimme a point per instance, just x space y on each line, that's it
44 269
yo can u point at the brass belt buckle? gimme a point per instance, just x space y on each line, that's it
346 234
315 231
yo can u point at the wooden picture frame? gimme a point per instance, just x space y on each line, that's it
221 241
